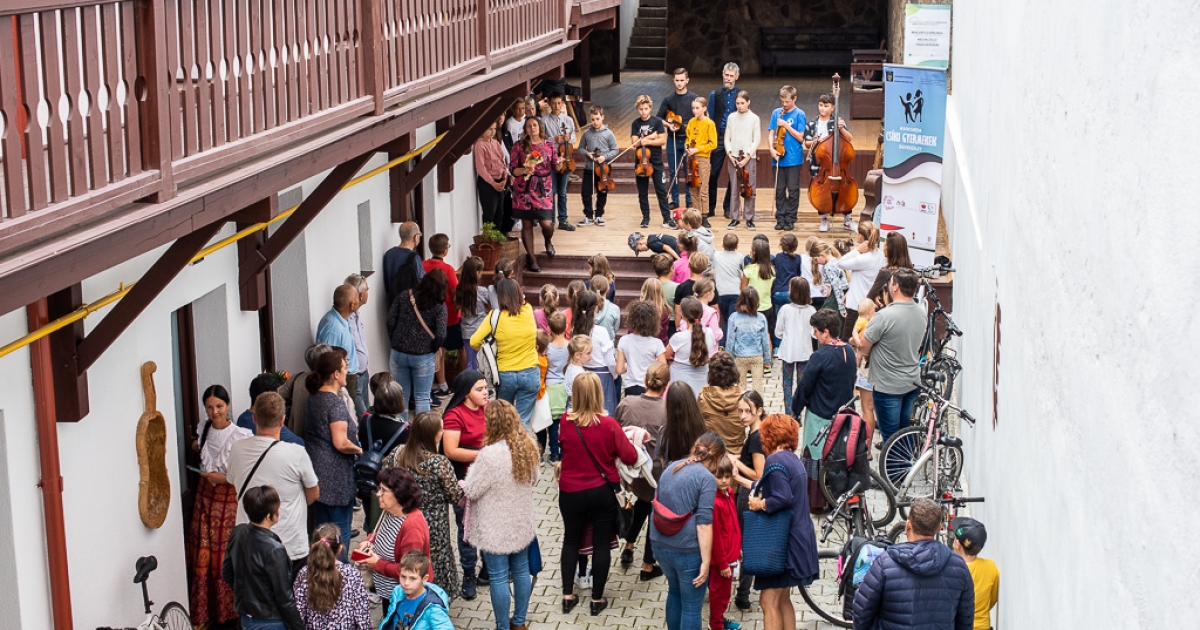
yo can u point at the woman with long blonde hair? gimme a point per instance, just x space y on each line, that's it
652 292
591 442
499 486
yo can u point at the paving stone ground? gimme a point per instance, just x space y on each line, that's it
632 603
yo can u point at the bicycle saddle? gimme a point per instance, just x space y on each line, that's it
143 567
948 440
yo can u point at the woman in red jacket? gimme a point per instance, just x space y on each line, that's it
401 528
591 443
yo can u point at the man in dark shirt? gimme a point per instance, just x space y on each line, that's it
648 131
721 103
396 257
680 103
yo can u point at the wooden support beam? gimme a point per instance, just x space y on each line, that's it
400 200
445 168
469 125
161 273
308 210
585 67
70 383
615 49
252 291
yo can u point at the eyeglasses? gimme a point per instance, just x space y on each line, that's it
382 490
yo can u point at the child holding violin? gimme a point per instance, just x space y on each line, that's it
560 128
676 112
648 136
599 143
742 135
701 140
787 122
818 130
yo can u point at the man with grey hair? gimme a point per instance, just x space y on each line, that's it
334 329
295 394
721 103
919 583
360 393
402 264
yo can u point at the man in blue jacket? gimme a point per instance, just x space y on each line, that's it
919 584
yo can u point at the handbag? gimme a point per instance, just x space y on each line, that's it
412 300
624 499
667 522
535 557
765 536
486 357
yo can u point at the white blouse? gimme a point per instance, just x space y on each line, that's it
214 456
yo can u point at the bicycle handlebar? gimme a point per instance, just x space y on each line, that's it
827 526
962 413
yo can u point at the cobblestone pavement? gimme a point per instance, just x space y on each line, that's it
631 603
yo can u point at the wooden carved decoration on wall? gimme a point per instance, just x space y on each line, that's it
154 486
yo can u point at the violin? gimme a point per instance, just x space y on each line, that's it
644 169
780 134
603 174
745 186
674 121
832 188
566 157
693 166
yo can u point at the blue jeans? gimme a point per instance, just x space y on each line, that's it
684 601
675 149
893 411
559 180
339 515
499 566
520 388
555 447
363 399
468 556
414 373
779 299
250 623
791 375
726 304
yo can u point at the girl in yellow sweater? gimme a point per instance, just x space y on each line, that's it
701 140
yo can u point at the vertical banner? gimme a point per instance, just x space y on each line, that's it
927 35
914 127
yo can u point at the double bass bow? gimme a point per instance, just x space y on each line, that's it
832 189
745 186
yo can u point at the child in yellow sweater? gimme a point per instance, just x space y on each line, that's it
701 140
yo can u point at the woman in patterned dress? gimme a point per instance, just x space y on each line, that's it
330 594
215 512
439 490
532 161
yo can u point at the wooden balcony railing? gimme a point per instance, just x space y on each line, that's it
103 102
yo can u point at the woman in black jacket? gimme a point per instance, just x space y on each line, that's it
416 325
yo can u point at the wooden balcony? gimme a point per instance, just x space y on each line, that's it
107 105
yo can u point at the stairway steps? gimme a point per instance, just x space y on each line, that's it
657 32
648 52
643 63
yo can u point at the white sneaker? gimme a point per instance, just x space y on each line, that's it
849 225
584 581
600 221
585 222
824 225
516 226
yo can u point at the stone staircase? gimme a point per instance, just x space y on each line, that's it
648 42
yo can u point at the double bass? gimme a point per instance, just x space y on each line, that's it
832 189
693 167
603 174
745 186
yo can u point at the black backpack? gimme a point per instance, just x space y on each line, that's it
845 457
366 469
848 558
406 278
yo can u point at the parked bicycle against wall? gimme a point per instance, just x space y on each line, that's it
950 505
936 354
173 616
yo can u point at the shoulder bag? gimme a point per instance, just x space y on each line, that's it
246 483
624 500
487 355
412 300
765 536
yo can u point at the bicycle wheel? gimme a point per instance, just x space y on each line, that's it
881 503
897 534
822 595
899 454
174 617
923 480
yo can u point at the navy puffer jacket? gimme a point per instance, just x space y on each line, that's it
918 585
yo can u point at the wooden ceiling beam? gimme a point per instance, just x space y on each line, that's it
468 126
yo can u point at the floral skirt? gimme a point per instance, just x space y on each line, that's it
213 518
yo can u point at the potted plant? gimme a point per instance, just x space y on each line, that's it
489 244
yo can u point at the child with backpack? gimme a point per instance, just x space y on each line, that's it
969 538
556 367
795 336
726 548
415 603
749 340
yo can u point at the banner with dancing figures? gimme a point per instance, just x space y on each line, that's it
914 121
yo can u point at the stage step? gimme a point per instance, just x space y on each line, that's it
647 52
648 41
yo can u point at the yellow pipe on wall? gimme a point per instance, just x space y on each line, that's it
88 309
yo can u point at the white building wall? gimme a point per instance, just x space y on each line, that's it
629 9
1066 197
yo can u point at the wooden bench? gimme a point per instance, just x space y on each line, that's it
802 47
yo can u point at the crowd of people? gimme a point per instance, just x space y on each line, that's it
651 423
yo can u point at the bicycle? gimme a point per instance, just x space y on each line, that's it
173 616
950 503
822 596
877 485
936 354
923 460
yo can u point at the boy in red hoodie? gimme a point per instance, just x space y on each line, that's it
726 549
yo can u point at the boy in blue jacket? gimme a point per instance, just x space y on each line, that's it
415 603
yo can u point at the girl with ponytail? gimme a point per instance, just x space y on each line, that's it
863 262
330 593
688 350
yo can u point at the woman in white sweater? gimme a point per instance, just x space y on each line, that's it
499 486
742 134
863 262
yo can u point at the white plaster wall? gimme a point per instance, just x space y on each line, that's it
629 9
1067 197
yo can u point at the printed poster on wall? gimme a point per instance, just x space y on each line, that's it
914 127
927 35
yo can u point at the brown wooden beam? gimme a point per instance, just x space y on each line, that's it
70 383
308 210
615 49
585 67
469 125
161 273
401 201
252 291
445 168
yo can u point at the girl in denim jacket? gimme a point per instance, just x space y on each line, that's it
749 340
